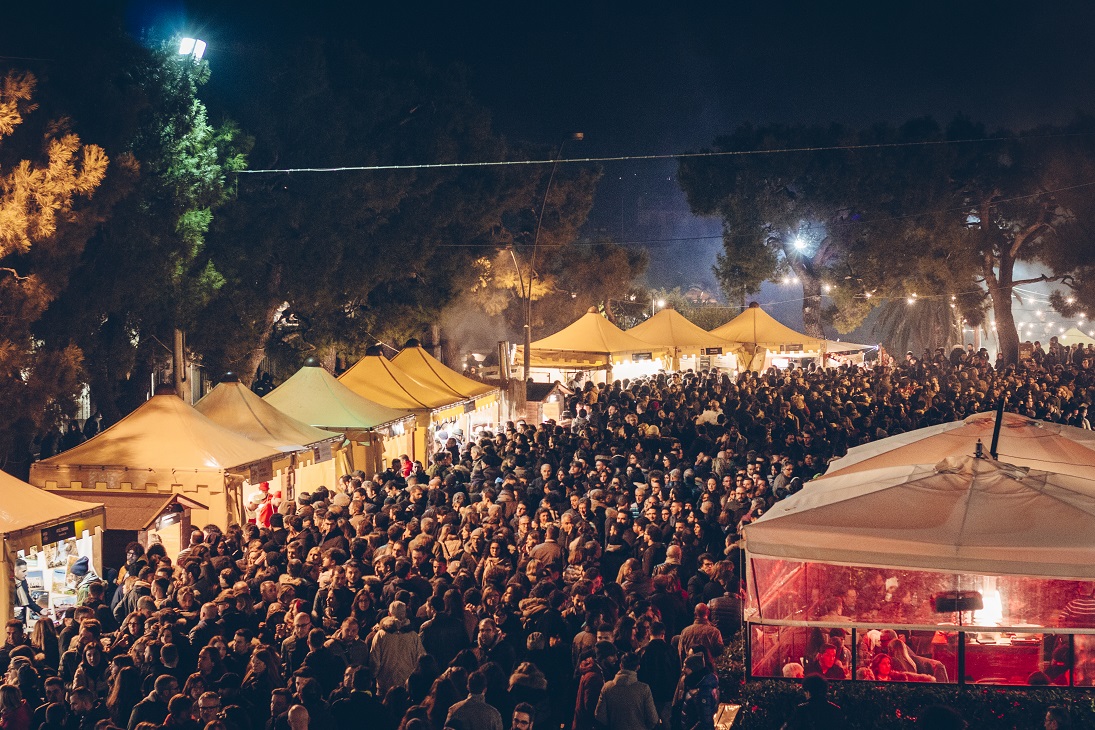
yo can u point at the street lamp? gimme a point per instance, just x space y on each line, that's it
192 47
659 303
576 137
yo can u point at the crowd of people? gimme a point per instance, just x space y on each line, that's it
577 574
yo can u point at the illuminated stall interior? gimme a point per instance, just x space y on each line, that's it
971 562
545 402
45 542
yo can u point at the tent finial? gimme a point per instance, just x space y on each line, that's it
996 428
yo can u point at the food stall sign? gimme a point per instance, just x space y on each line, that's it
59 532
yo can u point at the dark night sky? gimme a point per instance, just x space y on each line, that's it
644 78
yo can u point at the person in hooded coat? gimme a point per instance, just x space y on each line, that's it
697 694
395 649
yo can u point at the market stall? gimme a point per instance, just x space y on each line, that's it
1022 441
591 345
974 563
375 378
687 345
765 343
307 453
164 447
46 542
1075 336
482 406
374 432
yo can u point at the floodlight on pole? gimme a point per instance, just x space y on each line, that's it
192 47
800 244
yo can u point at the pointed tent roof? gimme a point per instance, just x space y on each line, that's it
670 328
165 433
313 396
756 327
235 407
25 505
592 333
1023 442
425 368
964 515
375 377
1075 336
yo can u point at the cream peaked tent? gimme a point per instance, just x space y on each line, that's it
164 447
671 330
313 396
1023 442
25 513
235 407
963 515
763 336
485 400
1075 337
590 343
425 368
375 378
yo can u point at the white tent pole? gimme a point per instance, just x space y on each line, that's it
6 585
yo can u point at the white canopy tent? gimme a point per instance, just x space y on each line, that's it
962 515
1023 442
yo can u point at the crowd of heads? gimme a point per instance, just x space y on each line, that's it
519 570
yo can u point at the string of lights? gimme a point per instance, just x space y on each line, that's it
650 157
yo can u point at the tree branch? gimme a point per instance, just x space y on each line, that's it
14 273
1036 280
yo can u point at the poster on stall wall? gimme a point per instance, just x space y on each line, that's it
49 577
35 582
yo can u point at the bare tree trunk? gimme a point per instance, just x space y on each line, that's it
248 369
999 272
811 304
178 367
436 344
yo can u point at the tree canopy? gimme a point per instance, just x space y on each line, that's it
926 222
47 175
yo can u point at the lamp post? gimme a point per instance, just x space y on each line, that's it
577 137
655 304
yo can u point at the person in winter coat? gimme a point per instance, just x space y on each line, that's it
154 707
625 702
697 694
528 684
473 711
395 649
591 680
701 633
445 634
660 668
14 713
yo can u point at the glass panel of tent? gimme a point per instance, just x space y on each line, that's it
984 629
